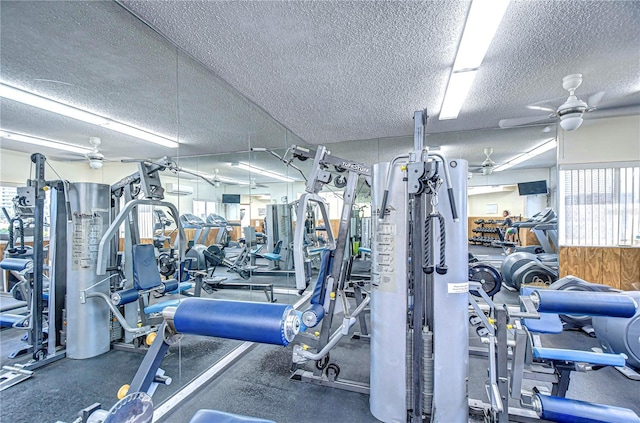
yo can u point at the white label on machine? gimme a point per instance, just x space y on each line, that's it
383 257
87 232
458 288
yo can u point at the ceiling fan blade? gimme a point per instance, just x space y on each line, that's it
542 108
595 99
549 105
509 123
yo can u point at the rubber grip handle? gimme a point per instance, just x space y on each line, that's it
452 203
584 302
383 207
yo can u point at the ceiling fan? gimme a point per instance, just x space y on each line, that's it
570 112
255 185
486 167
95 157
216 178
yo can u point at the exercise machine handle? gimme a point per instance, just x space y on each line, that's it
452 203
383 207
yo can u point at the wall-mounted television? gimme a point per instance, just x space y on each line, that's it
230 198
533 188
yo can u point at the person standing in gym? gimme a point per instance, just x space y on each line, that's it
510 232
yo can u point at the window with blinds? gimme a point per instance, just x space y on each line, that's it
202 208
146 220
600 207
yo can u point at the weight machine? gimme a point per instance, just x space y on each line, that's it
45 321
515 354
330 292
146 183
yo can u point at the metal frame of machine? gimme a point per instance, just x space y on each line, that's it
33 197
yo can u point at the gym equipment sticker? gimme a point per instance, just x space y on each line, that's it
85 238
458 288
384 258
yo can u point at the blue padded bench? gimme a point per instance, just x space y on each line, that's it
274 256
547 323
16 264
600 359
212 416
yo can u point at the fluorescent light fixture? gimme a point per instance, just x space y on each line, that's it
457 90
260 171
233 181
482 23
526 156
43 142
220 178
475 190
30 99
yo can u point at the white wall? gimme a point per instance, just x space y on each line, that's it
601 141
510 177
15 167
506 200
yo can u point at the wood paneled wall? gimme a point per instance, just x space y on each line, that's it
618 267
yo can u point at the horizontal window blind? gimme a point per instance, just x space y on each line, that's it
600 207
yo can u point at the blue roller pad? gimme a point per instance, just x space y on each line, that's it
602 359
364 250
128 296
584 302
158 307
318 250
212 416
573 411
318 311
15 264
547 323
170 285
325 267
243 320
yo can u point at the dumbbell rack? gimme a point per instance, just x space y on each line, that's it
487 232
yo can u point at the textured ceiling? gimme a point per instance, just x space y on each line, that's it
327 71
347 70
